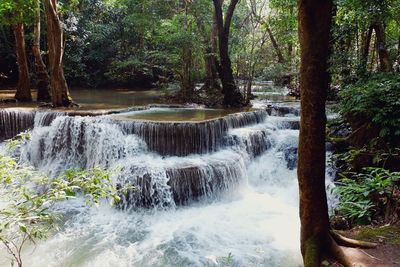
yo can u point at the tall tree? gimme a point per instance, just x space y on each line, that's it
232 95
59 89
17 13
317 240
23 88
43 79
209 36
385 64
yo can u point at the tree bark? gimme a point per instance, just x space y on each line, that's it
314 34
232 95
43 79
59 89
385 65
23 87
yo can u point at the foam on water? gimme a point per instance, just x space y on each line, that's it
246 199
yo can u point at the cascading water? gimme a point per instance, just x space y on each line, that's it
14 121
226 196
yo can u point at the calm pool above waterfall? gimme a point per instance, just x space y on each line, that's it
177 114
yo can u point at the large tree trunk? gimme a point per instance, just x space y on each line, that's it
59 88
23 88
385 65
232 95
314 35
43 79
317 239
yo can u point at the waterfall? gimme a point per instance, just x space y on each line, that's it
152 156
228 188
184 138
15 121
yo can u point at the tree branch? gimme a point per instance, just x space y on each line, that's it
229 15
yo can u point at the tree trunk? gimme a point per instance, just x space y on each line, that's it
373 55
43 79
23 88
385 65
59 89
232 95
278 51
211 83
365 45
317 239
314 35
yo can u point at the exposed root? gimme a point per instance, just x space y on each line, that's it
337 253
347 242
332 246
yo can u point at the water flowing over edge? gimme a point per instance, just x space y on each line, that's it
246 199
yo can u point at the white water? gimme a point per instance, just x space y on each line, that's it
257 223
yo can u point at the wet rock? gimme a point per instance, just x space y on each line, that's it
290 155
274 110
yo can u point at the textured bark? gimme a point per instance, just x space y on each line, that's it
23 87
43 79
232 95
314 34
59 89
385 65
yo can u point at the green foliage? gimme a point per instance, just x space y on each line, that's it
276 71
376 100
228 261
28 196
17 11
361 193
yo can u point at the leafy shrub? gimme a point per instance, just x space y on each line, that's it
361 193
377 100
27 197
